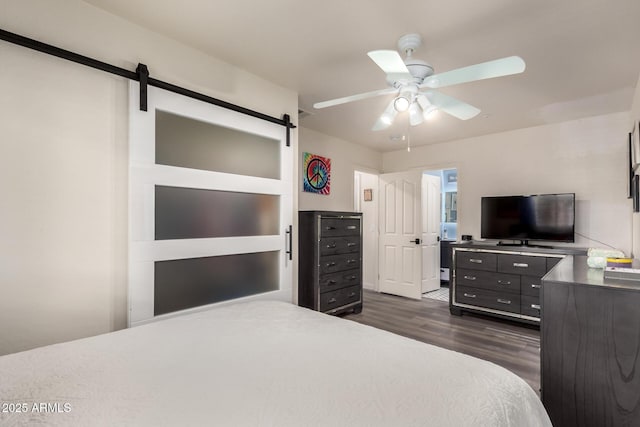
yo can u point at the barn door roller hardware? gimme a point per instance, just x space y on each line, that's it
140 75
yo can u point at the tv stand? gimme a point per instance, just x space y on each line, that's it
502 281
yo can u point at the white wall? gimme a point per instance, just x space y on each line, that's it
64 162
587 157
346 158
369 211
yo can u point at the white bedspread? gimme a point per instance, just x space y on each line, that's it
260 364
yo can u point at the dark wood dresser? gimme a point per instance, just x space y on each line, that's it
330 261
590 347
501 281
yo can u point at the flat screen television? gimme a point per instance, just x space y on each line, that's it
541 217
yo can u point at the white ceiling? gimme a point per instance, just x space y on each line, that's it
583 56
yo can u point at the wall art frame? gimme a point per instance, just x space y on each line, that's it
316 174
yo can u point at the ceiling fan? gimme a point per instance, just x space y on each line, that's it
409 77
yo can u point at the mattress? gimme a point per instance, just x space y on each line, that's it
261 363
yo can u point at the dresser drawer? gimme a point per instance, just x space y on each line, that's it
334 263
330 282
530 285
339 298
475 260
339 245
489 299
488 280
530 306
339 227
522 264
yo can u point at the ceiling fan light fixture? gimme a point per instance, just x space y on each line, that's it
389 114
387 118
401 103
415 115
405 98
429 111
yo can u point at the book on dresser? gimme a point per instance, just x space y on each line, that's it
330 261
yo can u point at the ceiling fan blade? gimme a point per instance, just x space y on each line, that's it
386 119
358 97
391 63
452 106
486 70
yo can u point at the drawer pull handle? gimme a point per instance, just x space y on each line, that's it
332 282
504 283
329 227
475 261
353 277
536 306
331 264
470 277
332 300
520 265
535 286
352 294
351 261
350 244
469 295
351 227
331 246
503 301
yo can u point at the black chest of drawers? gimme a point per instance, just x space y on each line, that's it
330 261
503 282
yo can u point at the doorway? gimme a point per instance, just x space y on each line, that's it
367 199
448 227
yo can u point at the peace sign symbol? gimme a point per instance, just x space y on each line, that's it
317 173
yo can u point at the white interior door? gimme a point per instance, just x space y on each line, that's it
400 234
431 232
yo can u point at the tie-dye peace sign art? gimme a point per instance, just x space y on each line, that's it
317 174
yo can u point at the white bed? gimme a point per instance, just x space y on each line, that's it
260 364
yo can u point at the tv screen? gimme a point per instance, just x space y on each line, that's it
543 217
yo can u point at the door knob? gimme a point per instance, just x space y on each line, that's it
416 241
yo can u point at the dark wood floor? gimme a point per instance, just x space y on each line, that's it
508 344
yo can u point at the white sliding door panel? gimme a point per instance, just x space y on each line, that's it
210 199
164 250
193 178
140 289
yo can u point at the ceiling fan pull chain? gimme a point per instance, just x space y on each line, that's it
408 136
